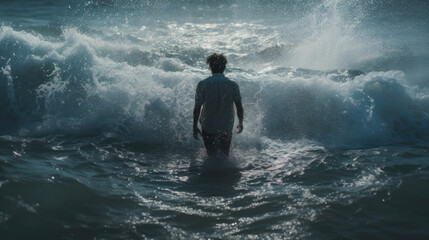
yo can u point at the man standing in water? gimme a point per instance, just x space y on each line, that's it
217 95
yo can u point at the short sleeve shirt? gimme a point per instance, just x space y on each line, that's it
217 95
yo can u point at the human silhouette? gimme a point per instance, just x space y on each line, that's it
216 95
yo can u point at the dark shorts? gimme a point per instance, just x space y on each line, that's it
215 142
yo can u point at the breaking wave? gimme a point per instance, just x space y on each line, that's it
87 85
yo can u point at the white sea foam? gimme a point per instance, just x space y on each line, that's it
139 81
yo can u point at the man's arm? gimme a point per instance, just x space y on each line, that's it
197 110
240 114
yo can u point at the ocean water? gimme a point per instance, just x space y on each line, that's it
96 101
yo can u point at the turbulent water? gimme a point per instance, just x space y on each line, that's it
96 101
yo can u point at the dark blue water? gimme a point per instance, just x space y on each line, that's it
96 101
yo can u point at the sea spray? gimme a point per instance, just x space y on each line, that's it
77 86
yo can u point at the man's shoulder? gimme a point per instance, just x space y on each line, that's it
233 82
204 80
201 82
230 81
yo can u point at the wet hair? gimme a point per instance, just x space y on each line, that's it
217 62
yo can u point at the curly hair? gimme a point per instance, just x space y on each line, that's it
217 62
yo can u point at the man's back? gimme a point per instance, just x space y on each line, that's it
217 95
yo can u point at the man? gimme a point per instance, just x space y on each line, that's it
217 95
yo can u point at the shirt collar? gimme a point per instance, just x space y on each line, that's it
217 76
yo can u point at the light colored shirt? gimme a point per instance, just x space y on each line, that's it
217 95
